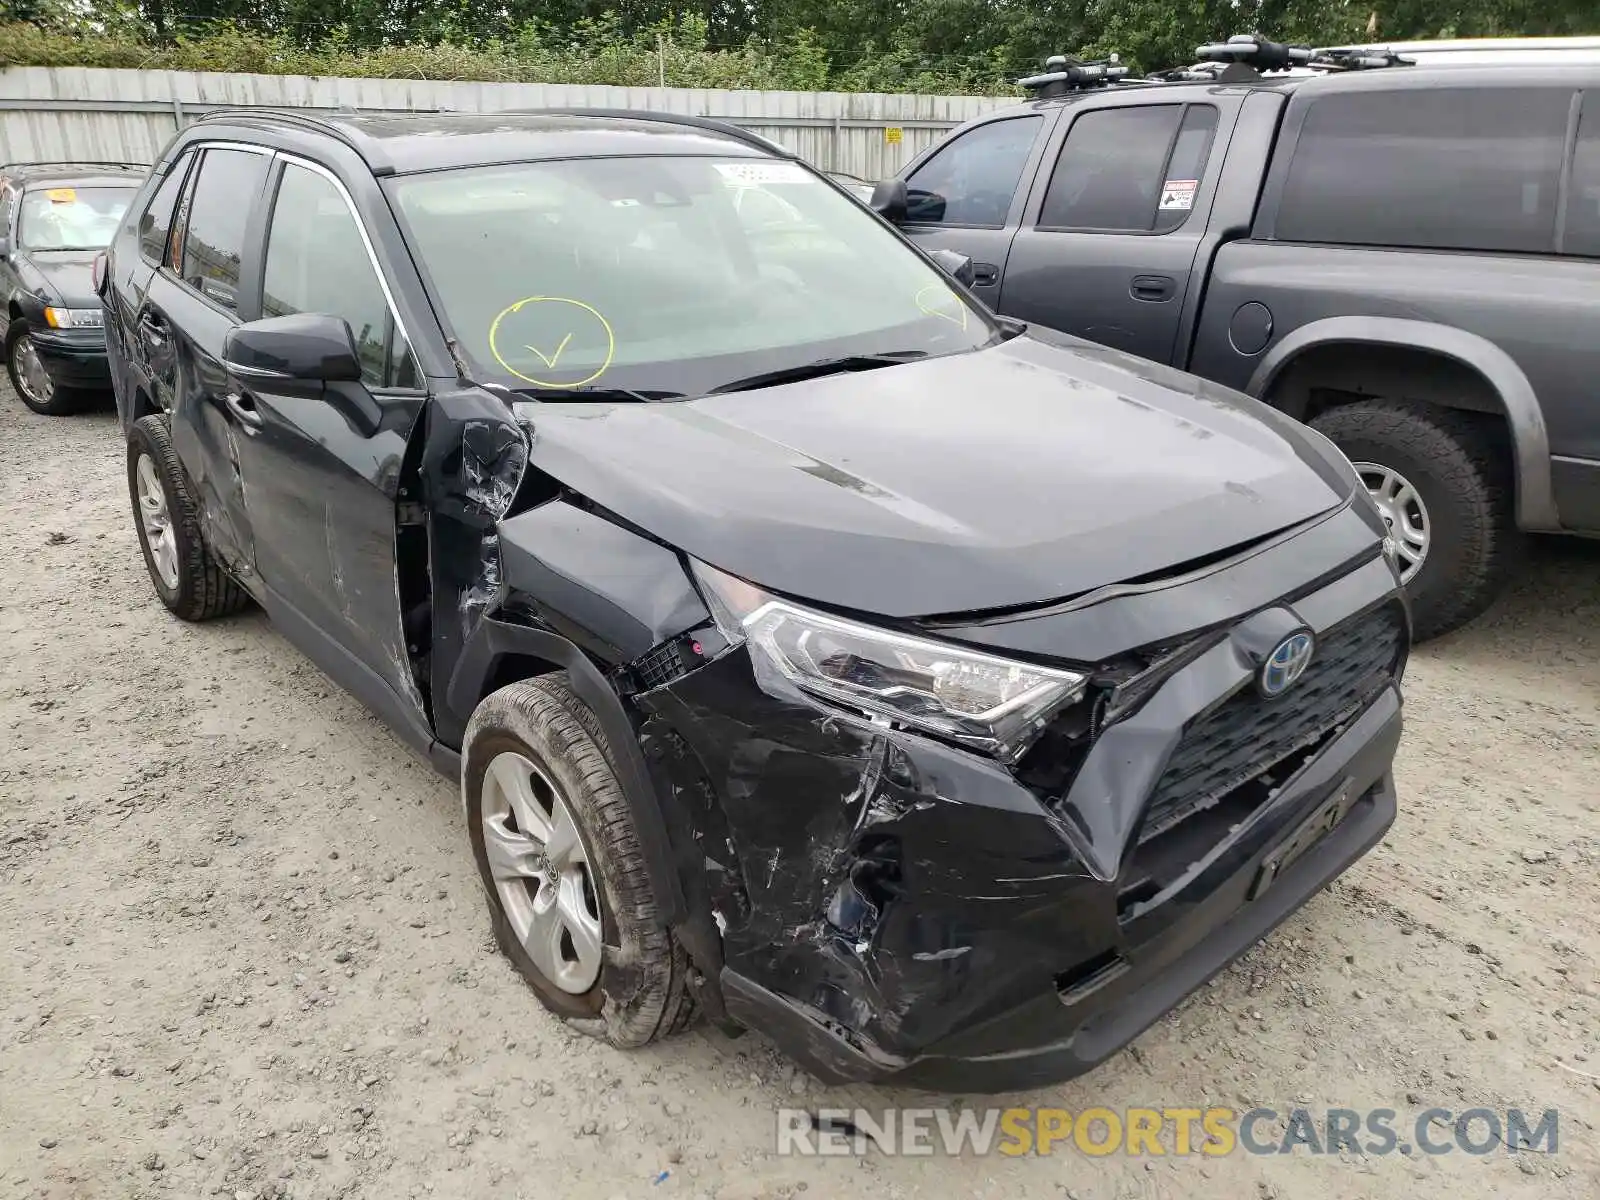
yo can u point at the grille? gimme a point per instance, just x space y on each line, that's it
1248 734
659 666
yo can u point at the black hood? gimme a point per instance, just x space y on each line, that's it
61 277
1027 472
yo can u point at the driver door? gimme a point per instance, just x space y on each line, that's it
968 195
320 462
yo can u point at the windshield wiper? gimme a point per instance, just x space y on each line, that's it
815 370
613 394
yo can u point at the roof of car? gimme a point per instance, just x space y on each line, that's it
81 174
401 143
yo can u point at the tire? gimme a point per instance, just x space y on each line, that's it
1459 465
187 579
640 993
57 401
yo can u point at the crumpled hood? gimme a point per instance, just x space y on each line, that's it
1037 469
66 276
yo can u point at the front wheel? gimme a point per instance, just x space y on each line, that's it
561 862
1442 481
31 380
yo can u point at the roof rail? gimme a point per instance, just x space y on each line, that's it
1063 75
80 162
710 124
305 120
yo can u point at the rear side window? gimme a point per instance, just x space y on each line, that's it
213 236
5 209
1455 168
1130 169
972 180
318 263
155 224
1583 198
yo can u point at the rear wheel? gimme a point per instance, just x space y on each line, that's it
1442 480
563 868
31 380
187 579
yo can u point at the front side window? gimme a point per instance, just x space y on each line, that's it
219 208
318 263
669 274
1449 168
155 224
1133 169
71 218
972 180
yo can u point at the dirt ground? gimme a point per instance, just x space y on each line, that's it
245 954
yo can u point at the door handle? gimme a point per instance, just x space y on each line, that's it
1153 288
985 273
243 406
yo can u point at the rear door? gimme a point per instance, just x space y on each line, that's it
321 462
968 194
1107 244
140 249
192 303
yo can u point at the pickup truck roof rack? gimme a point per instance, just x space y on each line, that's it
1241 59
1063 76
1249 56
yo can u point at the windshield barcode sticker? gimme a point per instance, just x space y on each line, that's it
1178 194
762 172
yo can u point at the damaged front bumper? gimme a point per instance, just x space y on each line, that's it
895 909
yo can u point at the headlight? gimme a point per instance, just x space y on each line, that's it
979 700
74 318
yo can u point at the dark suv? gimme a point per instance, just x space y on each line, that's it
1402 255
757 584
55 218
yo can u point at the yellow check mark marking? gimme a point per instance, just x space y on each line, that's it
549 360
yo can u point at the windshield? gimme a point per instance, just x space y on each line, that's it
669 274
71 218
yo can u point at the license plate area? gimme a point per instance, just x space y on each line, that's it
1307 834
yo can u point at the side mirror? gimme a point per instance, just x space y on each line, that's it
5 247
955 264
889 200
306 346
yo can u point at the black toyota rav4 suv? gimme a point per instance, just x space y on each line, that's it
942 697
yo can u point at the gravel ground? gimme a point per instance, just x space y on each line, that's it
246 954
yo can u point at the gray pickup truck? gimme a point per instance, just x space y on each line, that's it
1405 258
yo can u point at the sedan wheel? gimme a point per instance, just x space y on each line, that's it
32 380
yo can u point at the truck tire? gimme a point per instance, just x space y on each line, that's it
187 579
1441 474
578 921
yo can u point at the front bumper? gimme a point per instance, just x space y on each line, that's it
897 910
75 358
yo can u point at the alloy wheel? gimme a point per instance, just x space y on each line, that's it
1403 512
156 520
541 872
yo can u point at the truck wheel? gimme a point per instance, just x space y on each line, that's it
32 382
186 578
1444 486
561 861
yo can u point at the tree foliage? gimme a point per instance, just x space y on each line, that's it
854 45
